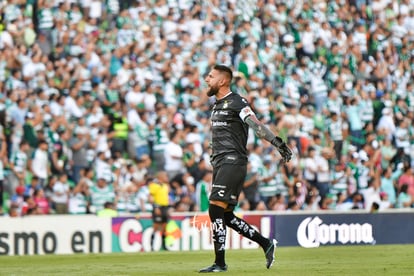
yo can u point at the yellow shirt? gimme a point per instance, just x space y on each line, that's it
107 213
159 192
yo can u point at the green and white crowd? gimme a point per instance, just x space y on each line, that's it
96 96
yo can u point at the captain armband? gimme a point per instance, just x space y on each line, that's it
245 112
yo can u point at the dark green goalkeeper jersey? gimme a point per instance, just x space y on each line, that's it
229 131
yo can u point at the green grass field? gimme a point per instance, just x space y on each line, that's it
329 260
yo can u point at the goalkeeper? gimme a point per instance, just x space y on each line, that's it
231 118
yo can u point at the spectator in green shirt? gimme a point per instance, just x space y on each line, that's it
203 191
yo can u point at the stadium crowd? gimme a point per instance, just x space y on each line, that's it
97 96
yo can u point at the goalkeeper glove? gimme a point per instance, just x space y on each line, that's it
283 149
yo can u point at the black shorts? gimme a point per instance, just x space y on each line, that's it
162 216
228 180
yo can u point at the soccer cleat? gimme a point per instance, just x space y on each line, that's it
270 253
213 268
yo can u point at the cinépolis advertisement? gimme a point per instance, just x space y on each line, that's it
81 234
186 232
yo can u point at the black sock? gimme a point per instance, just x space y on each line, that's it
152 240
218 228
163 242
245 229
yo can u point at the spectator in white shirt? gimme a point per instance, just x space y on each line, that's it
60 195
371 194
386 125
71 104
173 154
307 38
310 167
40 162
134 96
323 176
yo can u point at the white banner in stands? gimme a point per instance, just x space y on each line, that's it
38 235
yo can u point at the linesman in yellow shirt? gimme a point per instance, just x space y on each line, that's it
159 189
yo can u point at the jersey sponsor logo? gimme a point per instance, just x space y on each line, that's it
219 186
220 112
218 123
221 193
226 104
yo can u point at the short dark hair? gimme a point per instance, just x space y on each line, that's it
24 142
225 69
42 141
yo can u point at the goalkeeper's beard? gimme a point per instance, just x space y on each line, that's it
212 91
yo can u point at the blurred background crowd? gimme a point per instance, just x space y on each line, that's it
97 96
